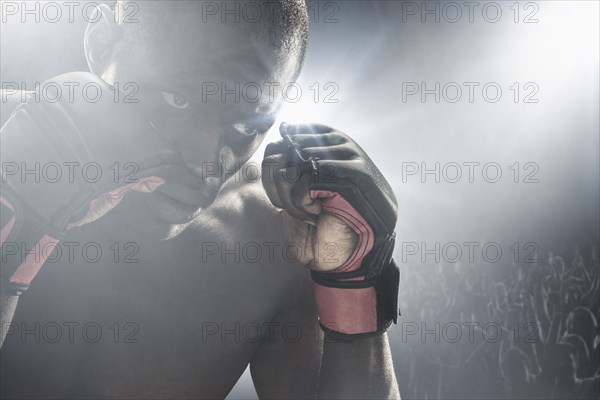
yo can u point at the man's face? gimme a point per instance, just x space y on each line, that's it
198 87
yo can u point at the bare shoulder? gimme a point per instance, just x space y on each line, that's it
242 211
245 231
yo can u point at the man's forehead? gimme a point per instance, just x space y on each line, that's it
206 59
219 52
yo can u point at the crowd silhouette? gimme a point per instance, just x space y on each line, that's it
521 331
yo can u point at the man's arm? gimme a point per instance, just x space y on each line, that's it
360 369
288 367
344 221
287 362
8 304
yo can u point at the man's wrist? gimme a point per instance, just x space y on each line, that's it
356 307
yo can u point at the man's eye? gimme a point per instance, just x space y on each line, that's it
245 129
176 101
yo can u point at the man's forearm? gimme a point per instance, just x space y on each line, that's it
8 304
361 369
8 296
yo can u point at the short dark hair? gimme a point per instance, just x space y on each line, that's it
285 27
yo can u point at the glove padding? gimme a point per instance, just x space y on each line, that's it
359 298
110 149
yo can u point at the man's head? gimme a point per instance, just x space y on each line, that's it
209 76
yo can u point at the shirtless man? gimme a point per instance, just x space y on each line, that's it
188 316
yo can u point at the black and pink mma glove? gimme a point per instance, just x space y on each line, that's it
66 163
359 298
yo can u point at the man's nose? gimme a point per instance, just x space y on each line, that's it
198 148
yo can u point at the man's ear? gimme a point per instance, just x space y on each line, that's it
100 36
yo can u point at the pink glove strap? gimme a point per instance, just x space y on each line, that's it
348 311
110 200
33 261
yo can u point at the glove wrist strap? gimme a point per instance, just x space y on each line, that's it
349 311
25 247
